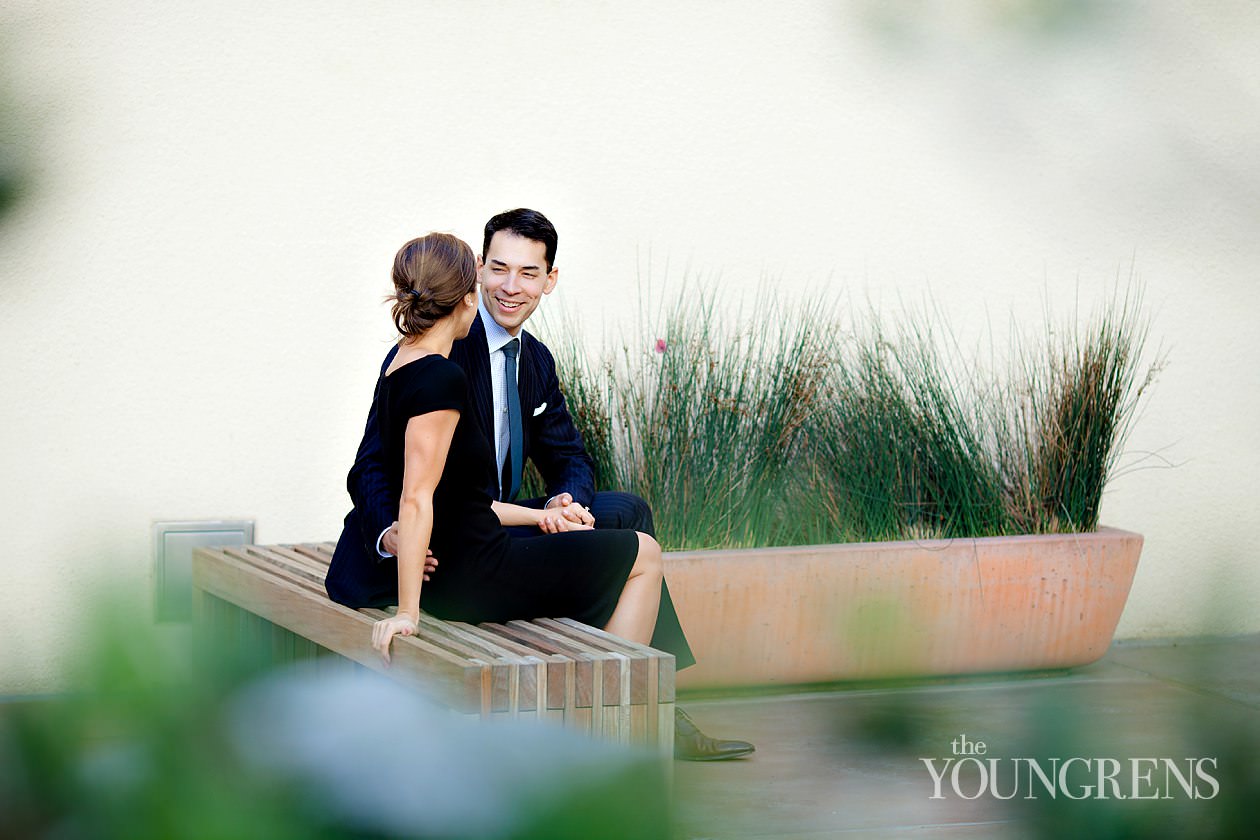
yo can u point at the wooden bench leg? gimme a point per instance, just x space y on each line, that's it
256 641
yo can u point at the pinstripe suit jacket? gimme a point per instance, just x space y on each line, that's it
550 438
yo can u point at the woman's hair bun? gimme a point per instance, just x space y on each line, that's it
431 275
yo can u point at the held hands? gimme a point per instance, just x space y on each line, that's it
570 510
387 628
389 542
563 514
554 523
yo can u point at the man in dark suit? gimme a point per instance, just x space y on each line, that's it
517 404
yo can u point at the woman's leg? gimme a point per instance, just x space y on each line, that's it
635 615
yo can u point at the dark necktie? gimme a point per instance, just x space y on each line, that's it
516 443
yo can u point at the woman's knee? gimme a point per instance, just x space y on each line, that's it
650 560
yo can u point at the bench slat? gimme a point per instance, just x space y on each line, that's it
264 562
609 661
640 680
298 561
551 672
562 679
665 661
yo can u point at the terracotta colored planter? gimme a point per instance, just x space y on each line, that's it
873 610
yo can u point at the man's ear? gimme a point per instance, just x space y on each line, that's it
552 277
480 263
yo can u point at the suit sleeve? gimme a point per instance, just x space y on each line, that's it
367 483
555 444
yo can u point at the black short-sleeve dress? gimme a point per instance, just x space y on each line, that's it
485 574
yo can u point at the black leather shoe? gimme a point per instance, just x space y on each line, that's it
690 744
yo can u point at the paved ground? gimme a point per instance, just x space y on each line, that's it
846 761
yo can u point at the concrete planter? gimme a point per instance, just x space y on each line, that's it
767 616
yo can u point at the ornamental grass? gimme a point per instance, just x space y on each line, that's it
791 428
1063 427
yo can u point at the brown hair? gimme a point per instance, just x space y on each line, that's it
431 275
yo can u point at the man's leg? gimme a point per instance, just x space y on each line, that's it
613 509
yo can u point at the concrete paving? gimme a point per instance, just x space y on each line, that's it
847 761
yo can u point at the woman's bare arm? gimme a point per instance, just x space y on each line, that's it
550 520
427 442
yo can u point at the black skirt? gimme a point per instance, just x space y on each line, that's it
578 575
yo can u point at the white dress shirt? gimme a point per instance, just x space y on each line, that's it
496 338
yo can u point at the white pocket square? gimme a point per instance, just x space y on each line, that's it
540 409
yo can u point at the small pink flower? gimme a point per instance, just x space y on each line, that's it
660 345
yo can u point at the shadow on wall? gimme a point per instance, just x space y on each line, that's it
16 140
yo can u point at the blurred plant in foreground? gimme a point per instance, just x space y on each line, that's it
157 745
1102 767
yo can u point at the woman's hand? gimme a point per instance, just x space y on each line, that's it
387 628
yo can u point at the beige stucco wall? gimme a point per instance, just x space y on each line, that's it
189 299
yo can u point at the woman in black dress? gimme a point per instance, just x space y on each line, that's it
439 464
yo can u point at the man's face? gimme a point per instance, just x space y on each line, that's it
514 277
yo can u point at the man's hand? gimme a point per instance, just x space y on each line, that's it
572 511
389 542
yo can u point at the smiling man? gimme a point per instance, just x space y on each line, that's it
515 398
515 275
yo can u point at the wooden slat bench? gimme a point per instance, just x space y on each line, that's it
272 597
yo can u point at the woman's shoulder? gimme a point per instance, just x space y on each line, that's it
447 374
432 367
433 377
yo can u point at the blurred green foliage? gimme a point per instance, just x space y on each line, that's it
156 743
1060 720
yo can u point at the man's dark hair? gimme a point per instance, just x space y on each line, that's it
527 223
